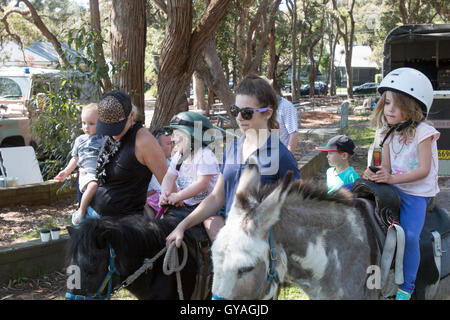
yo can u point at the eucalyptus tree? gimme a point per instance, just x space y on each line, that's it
345 23
183 44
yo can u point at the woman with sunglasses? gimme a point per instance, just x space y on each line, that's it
255 111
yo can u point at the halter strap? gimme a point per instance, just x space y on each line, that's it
272 274
106 281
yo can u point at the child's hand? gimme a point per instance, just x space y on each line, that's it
382 176
369 174
61 176
174 198
163 198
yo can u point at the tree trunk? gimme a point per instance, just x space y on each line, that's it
247 65
255 60
211 71
199 92
332 74
96 26
292 6
128 39
299 66
273 62
348 70
312 71
333 40
348 35
181 49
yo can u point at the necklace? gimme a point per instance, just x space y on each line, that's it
396 153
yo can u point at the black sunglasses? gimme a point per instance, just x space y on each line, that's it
246 113
167 131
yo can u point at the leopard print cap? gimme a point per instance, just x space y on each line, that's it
114 107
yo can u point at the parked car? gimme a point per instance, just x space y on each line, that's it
319 88
18 85
366 88
286 88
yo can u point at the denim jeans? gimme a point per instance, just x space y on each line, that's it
412 218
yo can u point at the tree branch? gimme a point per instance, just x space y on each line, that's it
50 36
161 4
4 20
100 56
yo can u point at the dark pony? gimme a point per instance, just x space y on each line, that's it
133 238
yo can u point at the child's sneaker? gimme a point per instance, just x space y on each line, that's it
75 215
402 295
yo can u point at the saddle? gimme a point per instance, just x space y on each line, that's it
202 254
381 204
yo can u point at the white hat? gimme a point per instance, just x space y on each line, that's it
412 83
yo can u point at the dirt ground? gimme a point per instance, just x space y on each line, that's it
22 220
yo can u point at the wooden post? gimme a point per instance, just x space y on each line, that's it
344 115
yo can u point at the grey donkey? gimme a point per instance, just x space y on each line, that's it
323 243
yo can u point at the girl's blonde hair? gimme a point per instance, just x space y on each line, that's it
409 108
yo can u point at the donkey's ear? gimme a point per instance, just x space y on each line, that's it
250 177
103 239
286 183
271 206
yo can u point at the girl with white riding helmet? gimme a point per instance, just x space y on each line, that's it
409 157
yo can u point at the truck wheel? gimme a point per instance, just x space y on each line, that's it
16 141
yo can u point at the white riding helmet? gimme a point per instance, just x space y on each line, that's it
412 83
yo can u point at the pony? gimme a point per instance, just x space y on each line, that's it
119 246
323 243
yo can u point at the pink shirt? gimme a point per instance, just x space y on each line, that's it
405 158
204 162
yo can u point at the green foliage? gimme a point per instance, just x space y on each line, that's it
57 126
378 77
59 121
362 137
85 63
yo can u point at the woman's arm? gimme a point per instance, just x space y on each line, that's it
149 153
207 208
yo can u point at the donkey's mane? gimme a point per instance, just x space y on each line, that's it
133 234
309 189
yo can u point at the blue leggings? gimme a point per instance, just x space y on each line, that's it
412 217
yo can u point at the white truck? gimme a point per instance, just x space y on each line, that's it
16 90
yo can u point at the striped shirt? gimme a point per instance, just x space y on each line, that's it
287 118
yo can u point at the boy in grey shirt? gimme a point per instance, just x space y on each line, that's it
84 155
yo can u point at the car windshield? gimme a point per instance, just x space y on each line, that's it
14 88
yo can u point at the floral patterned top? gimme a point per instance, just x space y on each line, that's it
204 162
404 157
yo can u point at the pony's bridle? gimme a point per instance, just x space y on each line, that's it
272 274
106 281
